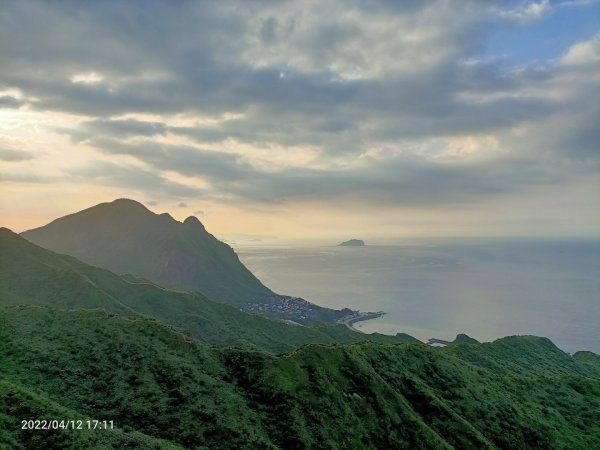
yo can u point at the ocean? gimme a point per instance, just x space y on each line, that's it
484 288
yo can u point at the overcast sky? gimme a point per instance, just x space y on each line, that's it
350 118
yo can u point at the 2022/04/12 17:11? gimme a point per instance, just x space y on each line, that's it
67 424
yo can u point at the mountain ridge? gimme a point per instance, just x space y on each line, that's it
99 234
126 237
31 274
331 396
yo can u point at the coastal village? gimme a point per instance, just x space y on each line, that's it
298 310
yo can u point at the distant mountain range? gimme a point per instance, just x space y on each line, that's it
125 237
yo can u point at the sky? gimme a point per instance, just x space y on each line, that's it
306 119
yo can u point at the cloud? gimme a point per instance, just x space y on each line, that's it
260 102
116 128
8 101
185 160
570 3
354 62
27 177
584 53
396 181
7 154
371 61
382 178
130 177
529 11
182 205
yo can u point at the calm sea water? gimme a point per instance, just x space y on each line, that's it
487 289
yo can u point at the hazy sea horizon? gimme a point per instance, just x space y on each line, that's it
486 288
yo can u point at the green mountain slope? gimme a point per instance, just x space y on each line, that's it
125 237
516 393
17 402
30 274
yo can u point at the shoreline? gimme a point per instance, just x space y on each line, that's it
349 321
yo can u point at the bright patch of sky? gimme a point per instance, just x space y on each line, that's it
541 38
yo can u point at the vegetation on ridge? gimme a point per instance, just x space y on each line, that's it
518 392
173 369
33 275
123 236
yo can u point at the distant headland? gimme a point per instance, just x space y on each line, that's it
352 243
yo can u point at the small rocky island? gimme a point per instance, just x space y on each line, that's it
352 243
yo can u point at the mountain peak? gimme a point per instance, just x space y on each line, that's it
465 339
8 233
193 221
122 210
126 237
127 203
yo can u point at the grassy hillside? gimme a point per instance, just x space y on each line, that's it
518 392
18 402
125 237
33 275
